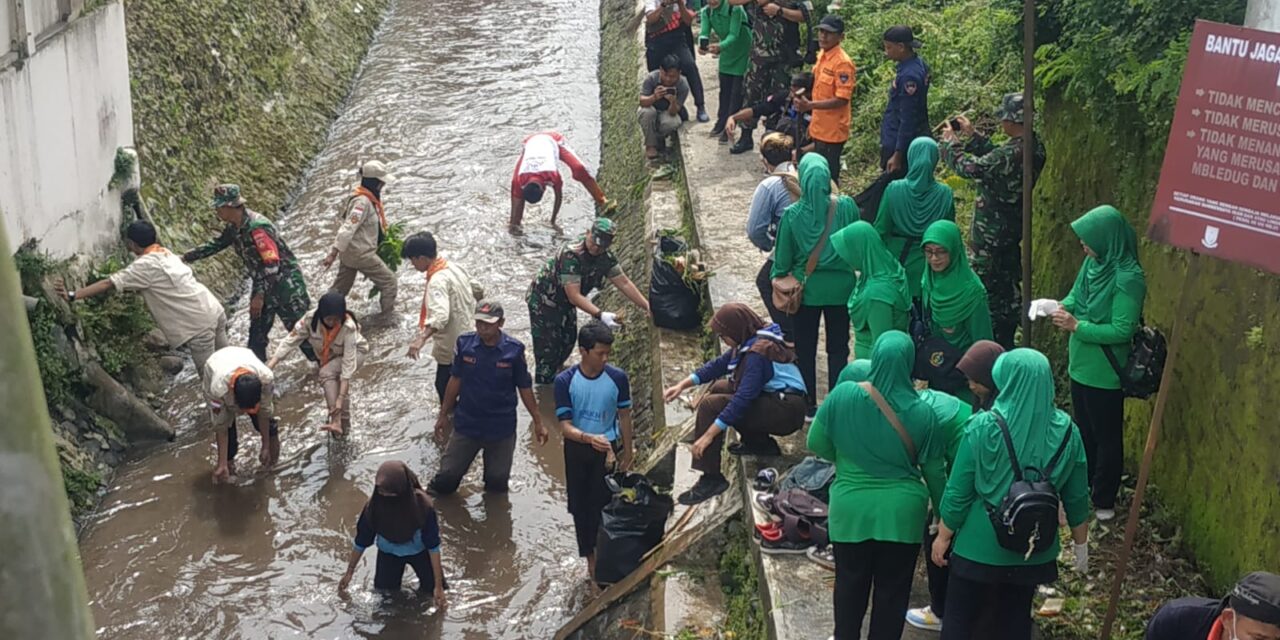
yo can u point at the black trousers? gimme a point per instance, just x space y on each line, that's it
990 611
832 152
869 199
584 479
674 43
731 88
764 284
938 576
233 439
442 379
389 574
806 330
875 571
1100 414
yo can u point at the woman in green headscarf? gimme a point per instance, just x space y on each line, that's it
989 581
879 301
878 499
825 290
910 205
953 298
1102 312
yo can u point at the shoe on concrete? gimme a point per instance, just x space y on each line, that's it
810 414
823 556
924 619
763 448
716 130
783 547
705 489
743 144
702 115
1105 515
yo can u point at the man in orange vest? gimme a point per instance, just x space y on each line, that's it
364 225
834 77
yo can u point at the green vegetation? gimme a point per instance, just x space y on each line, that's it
59 377
81 486
115 324
389 250
744 616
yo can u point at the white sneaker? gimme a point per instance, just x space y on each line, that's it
924 619
1105 515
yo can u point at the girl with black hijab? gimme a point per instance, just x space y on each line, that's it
401 520
335 335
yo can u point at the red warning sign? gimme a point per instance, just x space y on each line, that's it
1219 191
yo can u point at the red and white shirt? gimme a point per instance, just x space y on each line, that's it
538 162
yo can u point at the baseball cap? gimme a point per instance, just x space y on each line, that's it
1257 597
603 231
226 195
831 23
902 34
376 170
489 311
1010 107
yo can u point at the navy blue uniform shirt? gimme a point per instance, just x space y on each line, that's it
490 376
906 117
1184 619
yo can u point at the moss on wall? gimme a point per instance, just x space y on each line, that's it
235 91
624 176
1216 463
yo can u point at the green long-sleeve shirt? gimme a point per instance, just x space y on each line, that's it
832 281
964 512
1087 363
730 25
879 507
881 317
895 241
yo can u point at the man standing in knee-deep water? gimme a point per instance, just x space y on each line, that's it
561 288
538 168
996 232
488 372
236 382
278 287
448 304
364 225
593 405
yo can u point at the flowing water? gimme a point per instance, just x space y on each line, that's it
447 92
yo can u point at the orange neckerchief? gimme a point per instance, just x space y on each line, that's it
377 204
437 266
1216 632
155 248
329 336
235 375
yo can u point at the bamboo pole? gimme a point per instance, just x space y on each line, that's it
42 592
1153 438
1028 154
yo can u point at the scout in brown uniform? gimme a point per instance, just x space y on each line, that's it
364 222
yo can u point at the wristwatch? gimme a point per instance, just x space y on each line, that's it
71 296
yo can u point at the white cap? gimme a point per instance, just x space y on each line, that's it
375 169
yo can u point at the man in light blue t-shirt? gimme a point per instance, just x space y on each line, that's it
593 405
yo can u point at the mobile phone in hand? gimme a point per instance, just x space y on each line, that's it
955 124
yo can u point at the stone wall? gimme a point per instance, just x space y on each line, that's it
624 176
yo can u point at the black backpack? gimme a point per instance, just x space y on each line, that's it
1140 377
1027 519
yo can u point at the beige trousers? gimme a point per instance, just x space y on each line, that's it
375 270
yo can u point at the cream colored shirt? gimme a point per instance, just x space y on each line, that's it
222 365
358 235
349 341
451 298
182 307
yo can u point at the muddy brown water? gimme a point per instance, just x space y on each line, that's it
446 93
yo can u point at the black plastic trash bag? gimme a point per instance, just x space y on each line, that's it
673 303
630 525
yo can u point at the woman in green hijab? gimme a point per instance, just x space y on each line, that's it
953 298
910 205
988 581
825 290
879 301
1102 312
882 486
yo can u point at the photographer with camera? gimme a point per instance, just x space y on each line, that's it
662 97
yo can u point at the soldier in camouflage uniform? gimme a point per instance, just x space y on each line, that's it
278 287
561 288
997 218
775 45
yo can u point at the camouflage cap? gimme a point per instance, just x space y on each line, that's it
226 195
602 231
1010 107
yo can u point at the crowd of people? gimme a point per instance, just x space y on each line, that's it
903 297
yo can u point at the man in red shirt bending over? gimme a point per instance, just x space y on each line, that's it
538 168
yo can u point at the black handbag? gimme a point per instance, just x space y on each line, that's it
1027 519
936 358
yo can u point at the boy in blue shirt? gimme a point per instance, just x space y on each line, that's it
593 405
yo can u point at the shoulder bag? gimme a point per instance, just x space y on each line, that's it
1027 519
893 419
788 291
